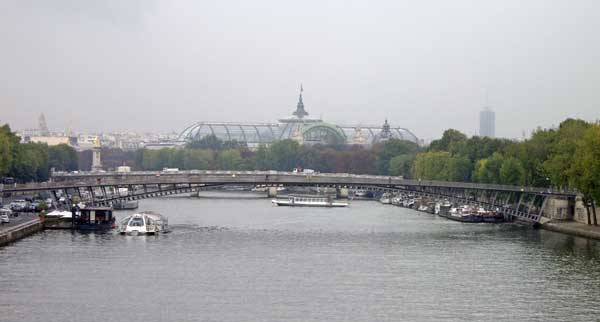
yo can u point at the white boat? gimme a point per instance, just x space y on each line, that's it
386 199
299 201
143 223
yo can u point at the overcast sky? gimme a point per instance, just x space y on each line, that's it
425 65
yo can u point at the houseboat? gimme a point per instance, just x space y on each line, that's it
94 218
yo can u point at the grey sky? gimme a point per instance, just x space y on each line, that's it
425 65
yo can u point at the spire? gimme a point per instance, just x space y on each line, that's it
385 130
42 127
300 112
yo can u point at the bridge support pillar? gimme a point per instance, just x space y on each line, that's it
272 192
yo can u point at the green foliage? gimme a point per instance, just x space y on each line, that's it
391 149
229 160
212 142
198 159
30 162
449 139
283 155
62 158
585 170
512 172
262 159
488 170
7 143
401 165
441 165
562 151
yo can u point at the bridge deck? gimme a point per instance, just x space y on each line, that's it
61 180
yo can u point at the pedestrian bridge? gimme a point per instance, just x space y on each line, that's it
102 188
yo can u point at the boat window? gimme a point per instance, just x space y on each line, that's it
136 222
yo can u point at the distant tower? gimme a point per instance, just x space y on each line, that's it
300 112
385 133
96 160
487 123
42 127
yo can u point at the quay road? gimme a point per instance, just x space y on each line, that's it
63 180
19 227
23 217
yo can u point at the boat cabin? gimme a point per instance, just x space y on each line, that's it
95 218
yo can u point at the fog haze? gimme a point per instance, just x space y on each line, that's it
424 65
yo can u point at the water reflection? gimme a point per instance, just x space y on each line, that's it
245 260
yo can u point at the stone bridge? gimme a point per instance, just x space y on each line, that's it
102 188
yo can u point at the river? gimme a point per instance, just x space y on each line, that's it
234 258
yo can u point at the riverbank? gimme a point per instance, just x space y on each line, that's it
21 230
573 228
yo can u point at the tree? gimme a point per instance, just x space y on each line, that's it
30 162
208 142
229 160
263 159
6 148
391 149
449 139
196 159
401 165
584 173
441 166
488 170
562 151
63 158
512 172
284 155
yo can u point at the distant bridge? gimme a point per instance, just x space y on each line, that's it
102 188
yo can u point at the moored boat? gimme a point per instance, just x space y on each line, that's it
386 199
309 201
94 218
464 214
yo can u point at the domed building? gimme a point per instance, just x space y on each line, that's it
298 127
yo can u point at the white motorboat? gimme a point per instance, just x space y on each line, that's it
386 199
300 201
144 223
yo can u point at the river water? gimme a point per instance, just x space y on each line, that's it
242 259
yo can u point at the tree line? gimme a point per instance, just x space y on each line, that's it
27 162
284 155
565 157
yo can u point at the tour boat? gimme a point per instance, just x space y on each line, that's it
300 201
144 223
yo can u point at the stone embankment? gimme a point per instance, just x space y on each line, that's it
574 228
19 231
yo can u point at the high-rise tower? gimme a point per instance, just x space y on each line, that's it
487 123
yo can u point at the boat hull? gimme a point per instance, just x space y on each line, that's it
286 203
